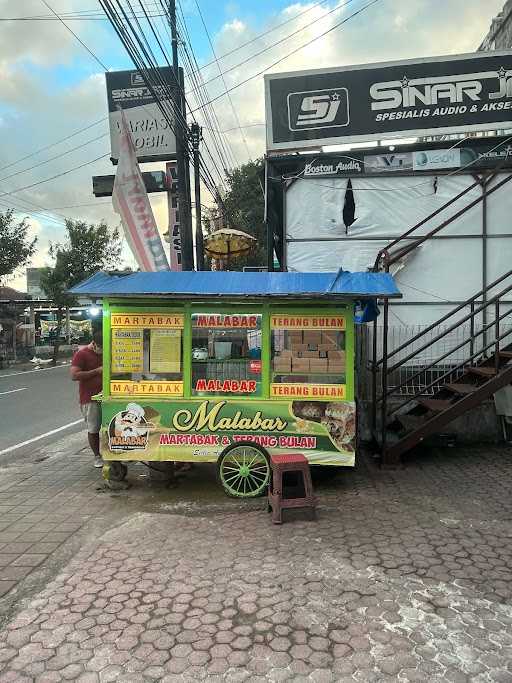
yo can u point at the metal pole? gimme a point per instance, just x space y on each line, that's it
188 187
497 359
269 216
68 326
196 138
384 405
187 256
472 332
483 187
374 375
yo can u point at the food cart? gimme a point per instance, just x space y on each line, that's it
230 367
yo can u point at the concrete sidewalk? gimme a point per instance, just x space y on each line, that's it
406 575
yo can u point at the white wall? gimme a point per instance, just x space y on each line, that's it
442 270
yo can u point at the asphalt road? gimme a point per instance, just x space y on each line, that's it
33 403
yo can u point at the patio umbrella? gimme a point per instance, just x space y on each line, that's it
227 243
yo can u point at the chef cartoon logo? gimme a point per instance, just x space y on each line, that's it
129 429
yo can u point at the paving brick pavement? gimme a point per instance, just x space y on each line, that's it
405 576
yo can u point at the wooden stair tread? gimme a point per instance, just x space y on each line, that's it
433 423
506 354
435 404
482 371
461 389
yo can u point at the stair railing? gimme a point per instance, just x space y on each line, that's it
387 259
475 310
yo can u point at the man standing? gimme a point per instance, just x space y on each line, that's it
86 369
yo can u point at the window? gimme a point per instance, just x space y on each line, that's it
308 356
226 354
146 354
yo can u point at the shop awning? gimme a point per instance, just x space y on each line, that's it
233 284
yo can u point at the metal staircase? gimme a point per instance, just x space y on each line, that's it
457 387
398 425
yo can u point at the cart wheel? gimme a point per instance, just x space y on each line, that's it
117 471
244 470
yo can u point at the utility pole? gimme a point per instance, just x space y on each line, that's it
187 256
196 139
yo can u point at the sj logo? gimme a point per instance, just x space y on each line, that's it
318 109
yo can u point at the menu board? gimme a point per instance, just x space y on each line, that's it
127 351
165 351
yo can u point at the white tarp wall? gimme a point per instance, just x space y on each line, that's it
445 269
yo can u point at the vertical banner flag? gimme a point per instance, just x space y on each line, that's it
173 232
131 202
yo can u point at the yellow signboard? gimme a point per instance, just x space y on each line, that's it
148 320
146 388
127 350
310 391
307 322
165 351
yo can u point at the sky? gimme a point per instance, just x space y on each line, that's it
51 86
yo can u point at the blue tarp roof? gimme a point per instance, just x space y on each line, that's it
207 284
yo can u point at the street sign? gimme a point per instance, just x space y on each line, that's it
155 181
417 97
154 140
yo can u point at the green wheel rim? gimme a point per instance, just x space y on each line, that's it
244 472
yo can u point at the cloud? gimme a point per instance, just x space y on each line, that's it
386 31
50 87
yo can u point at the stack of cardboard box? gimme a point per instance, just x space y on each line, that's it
311 352
283 362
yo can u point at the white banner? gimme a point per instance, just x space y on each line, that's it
131 202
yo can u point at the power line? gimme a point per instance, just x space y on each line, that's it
52 144
301 47
138 47
58 175
222 144
235 114
278 42
77 15
58 156
263 34
142 56
225 153
75 35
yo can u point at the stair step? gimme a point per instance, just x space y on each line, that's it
482 372
435 422
436 405
461 389
506 354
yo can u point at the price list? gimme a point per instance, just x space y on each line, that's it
127 351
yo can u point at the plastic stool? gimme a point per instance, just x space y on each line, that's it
292 462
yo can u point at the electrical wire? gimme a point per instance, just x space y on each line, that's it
235 114
221 143
77 15
76 36
54 177
58 156
290 54
139 50
52 144
337 8
263 34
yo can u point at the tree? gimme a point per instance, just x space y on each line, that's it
16 247
86 249
244 209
